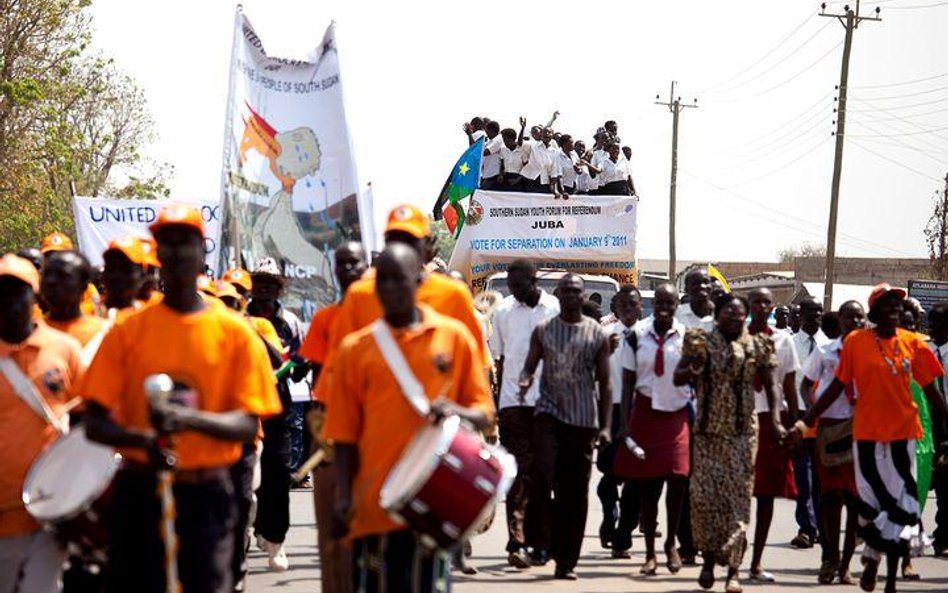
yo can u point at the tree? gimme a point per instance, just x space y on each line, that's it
786 256
444 240
936 235
69 119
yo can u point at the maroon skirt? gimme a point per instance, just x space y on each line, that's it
773 469
663 436
841 477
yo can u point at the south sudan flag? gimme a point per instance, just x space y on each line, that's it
461 183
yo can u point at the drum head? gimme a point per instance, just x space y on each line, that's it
417 463
68 477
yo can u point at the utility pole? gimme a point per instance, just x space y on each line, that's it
850 20
674 105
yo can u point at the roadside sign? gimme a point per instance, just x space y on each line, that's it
928 292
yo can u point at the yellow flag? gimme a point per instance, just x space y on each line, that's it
716 273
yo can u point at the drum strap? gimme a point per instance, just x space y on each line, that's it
410 386
26 391
92 346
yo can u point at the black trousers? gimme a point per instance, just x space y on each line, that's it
494 183
940 483
241 474
205 526
397 562
615 188
511 182
620 512
533 186
516 435
686 542
273 495
562 464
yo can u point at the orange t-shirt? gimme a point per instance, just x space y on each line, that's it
265 330
90 300
367 408
885 410
83 328
212 355
315 345
51 359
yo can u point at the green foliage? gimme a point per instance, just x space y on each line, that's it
936 235
69 120
444 240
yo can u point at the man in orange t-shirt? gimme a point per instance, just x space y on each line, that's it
371 422
30 558
881 362
335 557
223 384
62 286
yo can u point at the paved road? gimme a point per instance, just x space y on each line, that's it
795 569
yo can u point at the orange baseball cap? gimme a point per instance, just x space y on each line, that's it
882 290
206 285
239 277
178 214
150 251
408 219
225 289
21 269
130 247
56 242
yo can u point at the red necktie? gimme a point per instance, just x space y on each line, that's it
659 356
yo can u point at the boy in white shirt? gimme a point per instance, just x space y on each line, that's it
511 158
490 165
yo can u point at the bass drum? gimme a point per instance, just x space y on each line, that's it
447 483
67 490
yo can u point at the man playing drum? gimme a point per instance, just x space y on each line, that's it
222 384
371 420
38 368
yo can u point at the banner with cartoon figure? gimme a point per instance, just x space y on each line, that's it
584 234
290 190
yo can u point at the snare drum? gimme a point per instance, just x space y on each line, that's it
446 484
67 490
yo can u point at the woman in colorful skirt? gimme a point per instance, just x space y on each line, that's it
657 423
881 363
834 455
722 366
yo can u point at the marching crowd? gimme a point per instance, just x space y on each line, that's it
706 399
550 161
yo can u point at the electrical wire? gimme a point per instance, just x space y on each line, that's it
900 134
903 83
912 94
927 153
900 107
786 166
909 122
788 80
921 139
896 117
783 146
763 57
751 145
918 6
881 137
893 161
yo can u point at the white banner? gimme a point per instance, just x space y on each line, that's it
289 181
584 234
100 220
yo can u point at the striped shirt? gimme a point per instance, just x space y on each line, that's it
568 381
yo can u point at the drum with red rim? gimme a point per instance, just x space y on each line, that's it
447 482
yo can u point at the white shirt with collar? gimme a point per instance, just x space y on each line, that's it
612 172
666 397
597 158
538 161
477 135
941 352
513 324
805 345
513 159
787 362
564 168
690 319
490 165
820 368
615 359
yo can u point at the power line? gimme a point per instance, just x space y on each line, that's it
782 146
896 117
899 107
921 139
767 55
903 83
897 144
786 166
909 122
769 136
788 80
895 162
918 6
912 94
901 134
880 137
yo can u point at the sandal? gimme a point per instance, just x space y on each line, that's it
649 568
733 585
909 574
845 578
673 560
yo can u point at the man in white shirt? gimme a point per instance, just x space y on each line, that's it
805 341
698 311
537 162
511 157
773 470
513 322
490 164
837 483
938 330
620 513
564 167
474 130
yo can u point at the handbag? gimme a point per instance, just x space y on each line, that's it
834 442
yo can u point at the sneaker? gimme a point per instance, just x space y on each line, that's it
539 557
802 541
620 554
564 574
276 556
518 559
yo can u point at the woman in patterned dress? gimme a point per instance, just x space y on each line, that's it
723 366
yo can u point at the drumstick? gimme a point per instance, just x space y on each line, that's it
159 389
310 464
